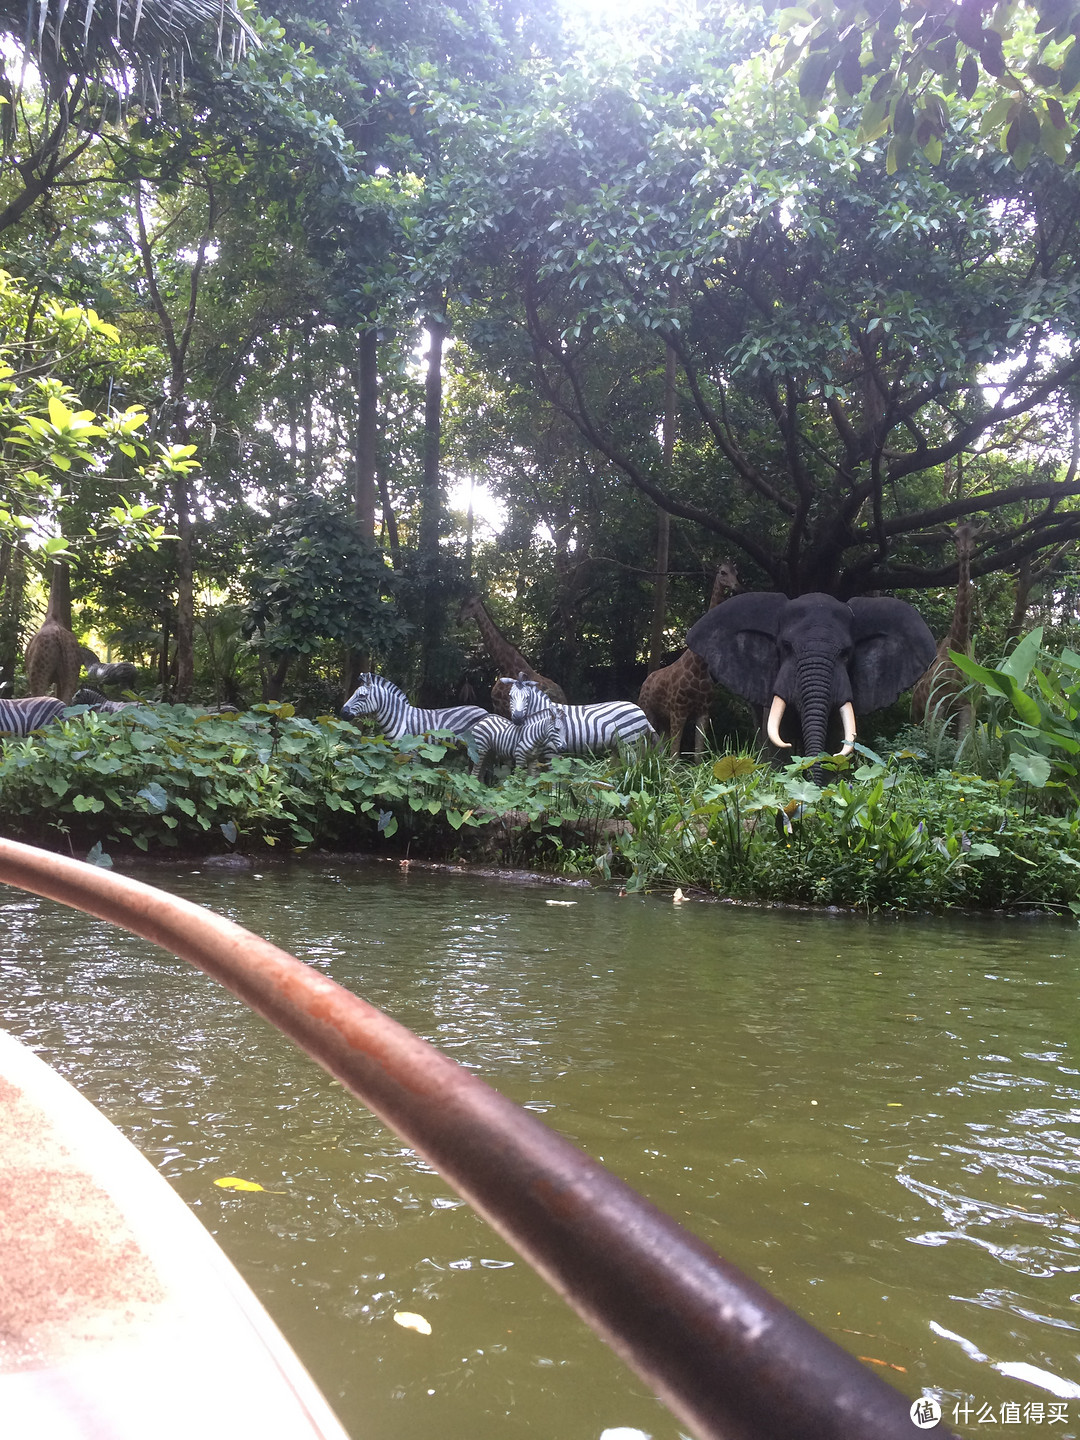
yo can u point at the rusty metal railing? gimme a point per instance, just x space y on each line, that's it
727 1357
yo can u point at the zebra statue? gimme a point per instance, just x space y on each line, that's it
378 696
113 672
20 717
95 700
497 738
582 729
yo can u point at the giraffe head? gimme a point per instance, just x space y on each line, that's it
470 608
728 576
964 537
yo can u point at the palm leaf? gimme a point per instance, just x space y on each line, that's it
119 38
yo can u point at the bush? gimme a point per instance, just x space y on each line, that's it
166 776
871 833
874 834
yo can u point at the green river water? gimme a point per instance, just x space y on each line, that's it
878 1120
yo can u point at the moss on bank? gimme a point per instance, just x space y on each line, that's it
873 834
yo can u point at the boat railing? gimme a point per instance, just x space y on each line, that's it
728 1358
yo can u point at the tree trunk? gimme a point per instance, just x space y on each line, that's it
274 681
309 425
469 537
290 405
663 521
11 606
389 519
177 342
365 480
185 590
1025 581
163 657
365 443
428 559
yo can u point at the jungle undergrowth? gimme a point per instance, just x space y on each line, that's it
878 832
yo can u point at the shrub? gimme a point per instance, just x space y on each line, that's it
875 833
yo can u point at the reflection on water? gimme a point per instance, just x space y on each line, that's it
879 1121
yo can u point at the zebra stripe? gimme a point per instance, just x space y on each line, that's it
583 728
94 700
375 695
497 738
20 717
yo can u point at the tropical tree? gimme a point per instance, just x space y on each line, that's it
1019 62
67 74
316 578
863 358
73 478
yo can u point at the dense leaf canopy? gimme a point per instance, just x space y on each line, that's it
666 272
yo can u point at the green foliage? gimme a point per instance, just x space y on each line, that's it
875 834
316 578
833 325
111 44
879 835
165 776
59 457
1034 707
364 167
910 67
224 660
168 777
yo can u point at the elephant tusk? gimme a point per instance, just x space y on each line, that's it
847 714
772 729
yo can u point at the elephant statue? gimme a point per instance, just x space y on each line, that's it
815 654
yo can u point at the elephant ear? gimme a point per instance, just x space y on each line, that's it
737 639
892 648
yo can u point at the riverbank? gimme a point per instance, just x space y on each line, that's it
876 834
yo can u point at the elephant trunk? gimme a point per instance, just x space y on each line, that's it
816 689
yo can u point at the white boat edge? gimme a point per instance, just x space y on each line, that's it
141 1326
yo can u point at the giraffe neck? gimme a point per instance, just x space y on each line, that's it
58 609
502 652
960 629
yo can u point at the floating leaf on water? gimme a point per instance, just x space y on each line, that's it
872 1360
410 1321
233 1182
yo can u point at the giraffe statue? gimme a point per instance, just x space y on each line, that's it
683 690
507 657
52 656
938 689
